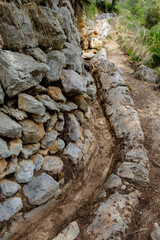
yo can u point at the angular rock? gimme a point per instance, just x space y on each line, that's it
71 232
38 161
60 116
49 139
155 235
81 102
8 188
74 128
46 23
53 164
95 43
8 127
4 151
25 171
49 103
22 72
57 146
51 123
73 60
40 189
15 146
43 119
3 165
16 113
68 107
72 82
37 54
11 168
113 182
144 73
112 79
56 94
91 90
80 116
30 104
1 95
73 152
59 126
55 61
29 149
19 31
37 90
10 207
31 132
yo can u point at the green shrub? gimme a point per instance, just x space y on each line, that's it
153 15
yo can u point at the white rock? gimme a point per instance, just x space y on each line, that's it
8 188
69 233
25 171
53 164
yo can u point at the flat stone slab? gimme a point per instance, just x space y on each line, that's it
10 207
8 127
40 189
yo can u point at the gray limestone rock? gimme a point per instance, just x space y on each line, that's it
29 149
16 113
11 168
113 181
49 139
51 123
8 127
38 161
50 34
58 145
4 151
8 188
37 54
146 74
15 146
55 61
40 189
31 132
59 126
80 116
53 164
29 104
19 31
49 103
1 95
73 152
10 207
41 119
68 106
91 90
81 103
21 71
72 82
25 171
74 128
155 235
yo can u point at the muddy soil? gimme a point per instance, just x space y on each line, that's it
147 103
76 200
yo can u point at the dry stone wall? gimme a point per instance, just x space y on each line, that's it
45 95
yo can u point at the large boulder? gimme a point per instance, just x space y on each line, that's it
72 82
46 25
15 28
8 127
55 60
146 74
19 72
10 207
40 189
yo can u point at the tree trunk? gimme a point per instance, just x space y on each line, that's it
113 2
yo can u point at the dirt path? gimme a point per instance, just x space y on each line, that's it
147 103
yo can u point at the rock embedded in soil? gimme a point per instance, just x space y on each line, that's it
40 189
55 61
10 207
15 146
146 74
25 171
49 139
53 164
22 72
8 188
155 235
113 181
71 232
8 127
31 132
73 152
29 104
72 82
4 151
